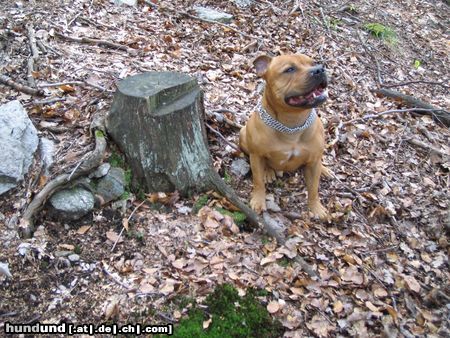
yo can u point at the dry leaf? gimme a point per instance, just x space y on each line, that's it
338 306
412 283
179 263
125 223
273 306
114 236
320 326
83 229
69 247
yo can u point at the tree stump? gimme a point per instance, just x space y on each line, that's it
156 120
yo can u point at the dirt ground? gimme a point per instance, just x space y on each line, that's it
382 261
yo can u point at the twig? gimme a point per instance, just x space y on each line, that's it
232 145
426 146
414 82
393 111
69 83
219 117
98 42
50 100
19 87
123 228
92 161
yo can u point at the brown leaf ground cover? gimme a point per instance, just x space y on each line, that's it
382 260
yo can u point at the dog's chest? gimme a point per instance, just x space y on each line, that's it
289 158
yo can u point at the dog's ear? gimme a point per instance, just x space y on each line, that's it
261 64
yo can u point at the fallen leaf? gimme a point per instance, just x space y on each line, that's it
273 306
206 323
412 283
338 306
320 326
114 236
83 229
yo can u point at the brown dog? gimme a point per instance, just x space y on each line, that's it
285 133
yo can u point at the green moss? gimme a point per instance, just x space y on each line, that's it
381 32
77 249
227 177
200 203
116 160
237 216
232 316
99 134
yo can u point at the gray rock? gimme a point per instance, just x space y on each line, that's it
125 2
101 171
212 15
240 167
62 253
74 258
72 204
243 3
18 143
112 186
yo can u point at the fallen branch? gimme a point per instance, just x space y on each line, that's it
392 111
98 42
232 145
69 83
415 82
219 117
438 114
426 146
19 87
92 161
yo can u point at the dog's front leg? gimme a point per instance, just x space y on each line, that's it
258 166
312 177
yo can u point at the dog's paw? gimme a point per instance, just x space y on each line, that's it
319 211
326 172
258 203
269 175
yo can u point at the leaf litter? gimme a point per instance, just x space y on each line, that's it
382 261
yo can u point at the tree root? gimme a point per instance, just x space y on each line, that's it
92 161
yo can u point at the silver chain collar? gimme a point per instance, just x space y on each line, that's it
278 126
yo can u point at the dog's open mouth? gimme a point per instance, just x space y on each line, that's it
311 99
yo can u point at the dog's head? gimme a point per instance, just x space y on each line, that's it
293 80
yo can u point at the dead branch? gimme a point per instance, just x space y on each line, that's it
426 146
218 133
69 83
222 118
92 161
415 82
98 42
392 111
438 114
19 87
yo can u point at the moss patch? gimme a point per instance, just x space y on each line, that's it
231 316
238 217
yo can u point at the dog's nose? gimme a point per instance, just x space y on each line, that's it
317 70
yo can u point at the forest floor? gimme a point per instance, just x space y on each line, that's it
382 260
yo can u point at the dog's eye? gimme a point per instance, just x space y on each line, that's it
290 70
